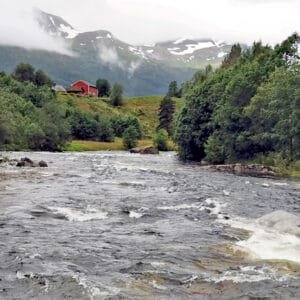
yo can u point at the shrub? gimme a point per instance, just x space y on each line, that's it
161 140
120 124
130 138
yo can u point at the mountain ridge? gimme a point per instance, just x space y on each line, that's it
141 69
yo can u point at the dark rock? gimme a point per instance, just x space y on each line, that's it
146 150
43 164
27 162
149 150
20 164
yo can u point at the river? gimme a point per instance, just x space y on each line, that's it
114 225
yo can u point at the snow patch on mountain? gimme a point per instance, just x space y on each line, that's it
137 51
70 33
191 48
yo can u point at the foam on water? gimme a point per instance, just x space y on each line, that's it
134 214
77 215
275 236
250 274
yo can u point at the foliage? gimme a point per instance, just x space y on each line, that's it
41 78
25 125
26 73
116 95
161 140
103 87
121 123
232 57
87 126
130 138
166 113
248 107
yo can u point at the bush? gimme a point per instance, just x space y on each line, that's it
120 124
116 95
161 140
130 138
86 126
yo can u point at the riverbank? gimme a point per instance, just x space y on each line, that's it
116 145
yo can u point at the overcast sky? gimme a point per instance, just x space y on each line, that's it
147 21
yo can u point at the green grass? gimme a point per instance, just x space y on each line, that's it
78 145
116 145
145 109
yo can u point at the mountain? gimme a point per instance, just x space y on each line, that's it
143 70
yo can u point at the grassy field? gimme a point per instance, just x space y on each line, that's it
78 145
145 109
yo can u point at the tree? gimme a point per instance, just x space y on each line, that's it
161 140
116 95
24 72
233 56
130 138
41 78
173 89
103 87
166 113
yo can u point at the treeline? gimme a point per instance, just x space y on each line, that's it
248 109
31 118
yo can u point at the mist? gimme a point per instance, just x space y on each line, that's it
146 22
19 28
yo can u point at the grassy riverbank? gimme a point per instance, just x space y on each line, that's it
116 145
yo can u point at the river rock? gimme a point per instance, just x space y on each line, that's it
145 150
27 162
249 170
135 150
149 150
43 164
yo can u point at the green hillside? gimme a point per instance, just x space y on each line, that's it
145 109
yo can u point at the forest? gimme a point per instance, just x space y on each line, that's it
246 110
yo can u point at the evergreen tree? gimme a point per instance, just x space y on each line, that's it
166 113
173 89
116 95
24 72
41 78
103 87
232 57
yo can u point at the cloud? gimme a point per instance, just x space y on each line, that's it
18 27
110 57
149 21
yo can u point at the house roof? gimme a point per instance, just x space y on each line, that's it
87 83
74 89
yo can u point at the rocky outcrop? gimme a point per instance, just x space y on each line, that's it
145 150
23 162
27 162
249 169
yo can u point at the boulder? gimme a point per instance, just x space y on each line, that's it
145 150
43 164
149 150
27 162
135 150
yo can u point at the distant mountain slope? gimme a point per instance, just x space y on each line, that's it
141 69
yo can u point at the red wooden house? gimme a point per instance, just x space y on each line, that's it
83 88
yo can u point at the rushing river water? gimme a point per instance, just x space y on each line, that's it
113 225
